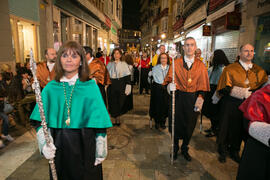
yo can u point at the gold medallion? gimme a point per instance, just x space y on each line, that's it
189 80
68 121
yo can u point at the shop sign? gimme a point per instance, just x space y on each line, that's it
108 22
214 4
233 21
113 31
178 24
206 30
262 3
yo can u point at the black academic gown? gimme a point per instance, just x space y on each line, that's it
159 103
117 97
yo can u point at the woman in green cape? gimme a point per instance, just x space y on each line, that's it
76 117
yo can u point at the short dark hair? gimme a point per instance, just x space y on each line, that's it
89 50
99 49
189 38
46 51
75 47
159 58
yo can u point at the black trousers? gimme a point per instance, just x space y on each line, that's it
185 118
231 131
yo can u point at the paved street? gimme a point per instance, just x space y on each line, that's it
136 152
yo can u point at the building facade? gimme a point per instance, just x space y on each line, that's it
39 24
215 24
130 40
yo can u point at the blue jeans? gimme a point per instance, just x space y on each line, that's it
4 117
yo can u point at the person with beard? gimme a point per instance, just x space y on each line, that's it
45 70
191 83
236 83
98 71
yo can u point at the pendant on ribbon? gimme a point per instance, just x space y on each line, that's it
68 121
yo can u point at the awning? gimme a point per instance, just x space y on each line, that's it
223 11
197 16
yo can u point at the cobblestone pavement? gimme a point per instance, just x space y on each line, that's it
137 152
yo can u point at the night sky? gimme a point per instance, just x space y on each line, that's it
131 14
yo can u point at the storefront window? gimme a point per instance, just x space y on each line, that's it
203 42
262 45
64 27
228 42
26 40
77 31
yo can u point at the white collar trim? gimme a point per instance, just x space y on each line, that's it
70 81
245 65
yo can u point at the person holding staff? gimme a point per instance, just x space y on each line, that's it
191 83
76 117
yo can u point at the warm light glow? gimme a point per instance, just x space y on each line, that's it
163 36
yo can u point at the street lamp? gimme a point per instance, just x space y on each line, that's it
163 36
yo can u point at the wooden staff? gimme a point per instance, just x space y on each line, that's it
41 111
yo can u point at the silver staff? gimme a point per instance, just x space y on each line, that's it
151 120
173 54
41 110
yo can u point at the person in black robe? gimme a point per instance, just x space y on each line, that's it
255 161
237 82
159 95
76 117
191 83
120 86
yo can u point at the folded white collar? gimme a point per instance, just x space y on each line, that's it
245 65
70 81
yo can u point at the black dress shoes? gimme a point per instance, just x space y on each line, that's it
222 158
186 156
235 156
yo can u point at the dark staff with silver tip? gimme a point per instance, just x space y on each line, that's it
41 111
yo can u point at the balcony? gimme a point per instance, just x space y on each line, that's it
162 14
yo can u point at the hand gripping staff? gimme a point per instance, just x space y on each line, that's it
41 110
173 54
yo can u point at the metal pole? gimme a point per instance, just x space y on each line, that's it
41 111
173 55
173 110
151 120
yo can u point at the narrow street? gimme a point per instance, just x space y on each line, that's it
135 152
